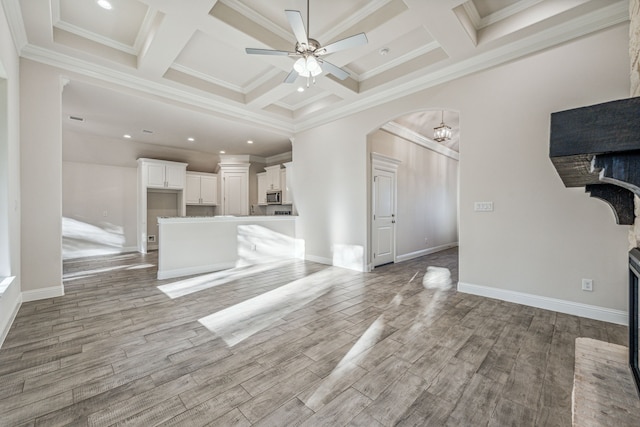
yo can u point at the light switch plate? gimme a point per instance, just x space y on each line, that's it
483 206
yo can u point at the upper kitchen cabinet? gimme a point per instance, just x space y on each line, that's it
262 188
201 189
158 176
273 177
162 174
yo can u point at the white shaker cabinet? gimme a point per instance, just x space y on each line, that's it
201 189
161 174
157 176
262 188
273 177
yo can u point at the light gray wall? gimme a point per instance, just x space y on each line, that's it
542 238
41 179
427 194
98 208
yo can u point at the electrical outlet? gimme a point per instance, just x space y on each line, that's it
587 285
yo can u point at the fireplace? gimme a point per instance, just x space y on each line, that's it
598 147
634 273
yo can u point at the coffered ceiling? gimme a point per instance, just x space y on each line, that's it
192 53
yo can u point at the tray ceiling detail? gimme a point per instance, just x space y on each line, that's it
194 52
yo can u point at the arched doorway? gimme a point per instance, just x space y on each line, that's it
424 218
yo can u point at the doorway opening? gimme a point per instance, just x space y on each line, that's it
412 187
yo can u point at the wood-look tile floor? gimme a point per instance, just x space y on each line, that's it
296 344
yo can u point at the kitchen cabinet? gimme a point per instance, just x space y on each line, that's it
273 177
167 175
158 176
284 187
201 189
234 188
286 183
262 188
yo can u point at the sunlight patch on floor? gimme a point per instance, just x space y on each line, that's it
356 353
89 273
240 321
211 280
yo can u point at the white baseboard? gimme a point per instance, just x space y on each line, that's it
320 260
423 252
6 322
44 293
568 307
179 272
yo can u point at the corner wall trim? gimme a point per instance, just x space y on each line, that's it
5 329
44 293
423 252
562 306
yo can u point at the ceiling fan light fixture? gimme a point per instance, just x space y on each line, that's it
307 66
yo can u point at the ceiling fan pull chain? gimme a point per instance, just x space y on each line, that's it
308 81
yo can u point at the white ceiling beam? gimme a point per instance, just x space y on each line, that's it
170 38
443 24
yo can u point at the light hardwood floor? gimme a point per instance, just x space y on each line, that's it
298 344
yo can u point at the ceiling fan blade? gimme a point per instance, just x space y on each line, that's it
297 26
252 51
349 42
333 69
291 77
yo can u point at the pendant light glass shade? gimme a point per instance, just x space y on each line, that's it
442 132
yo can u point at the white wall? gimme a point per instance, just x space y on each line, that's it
98 208
41 179
427 195
330 190
9 176
542 238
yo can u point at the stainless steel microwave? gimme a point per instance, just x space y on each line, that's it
274 197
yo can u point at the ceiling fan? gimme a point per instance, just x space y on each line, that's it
310 64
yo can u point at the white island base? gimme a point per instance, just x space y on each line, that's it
196 245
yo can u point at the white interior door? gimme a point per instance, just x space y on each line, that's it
384 218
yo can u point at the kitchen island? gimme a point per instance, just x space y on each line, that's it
195 245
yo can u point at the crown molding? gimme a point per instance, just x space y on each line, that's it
399 60
16 23
207 78
405 133
100 72
595 21
254 16
352 20
89 35
480 22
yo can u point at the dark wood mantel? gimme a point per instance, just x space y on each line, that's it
598 147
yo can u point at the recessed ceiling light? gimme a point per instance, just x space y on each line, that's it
190 139
105 4
222 151
300 89
249 142
126 135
